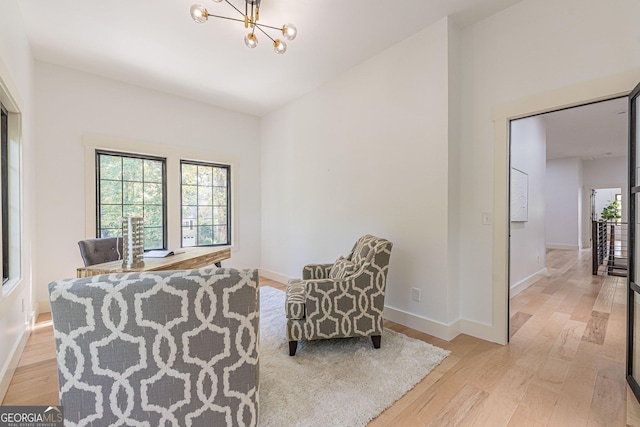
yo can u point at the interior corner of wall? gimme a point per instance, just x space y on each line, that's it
43 307
432 327
278 277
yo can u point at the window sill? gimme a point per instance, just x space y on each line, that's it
10 285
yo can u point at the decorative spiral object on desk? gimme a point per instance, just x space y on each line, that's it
133 244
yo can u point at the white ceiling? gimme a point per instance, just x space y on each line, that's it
155 44
588 132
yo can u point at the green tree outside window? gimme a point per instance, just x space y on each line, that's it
612 212
205 204
131 185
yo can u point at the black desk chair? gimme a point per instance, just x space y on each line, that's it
97 251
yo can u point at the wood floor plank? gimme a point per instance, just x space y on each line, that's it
605 296
491 373
498 408
553 286
460 410
552 374
584 308
615 346
608 405
516 321
567 343
596 328
633 408
535 408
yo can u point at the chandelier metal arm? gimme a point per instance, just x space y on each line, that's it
226 17
237 10
263 32
268 26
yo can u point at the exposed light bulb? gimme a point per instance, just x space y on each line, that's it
251 40
279 46
199 13
289 31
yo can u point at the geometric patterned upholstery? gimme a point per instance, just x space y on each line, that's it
320 307
295 298
342 268
97 251
171 348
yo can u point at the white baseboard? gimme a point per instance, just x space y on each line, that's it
44 307
442 330
563 247
10 367
274 276
526 282
422 324
483 331
428 326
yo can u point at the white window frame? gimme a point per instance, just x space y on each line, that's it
14 147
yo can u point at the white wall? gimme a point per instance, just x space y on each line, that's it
531 48
16 83
71 105
605 172
528 154
368 153
455 184
564 203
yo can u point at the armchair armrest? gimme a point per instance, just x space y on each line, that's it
316 271
296 294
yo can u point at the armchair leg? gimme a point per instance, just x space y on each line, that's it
376 340
293 346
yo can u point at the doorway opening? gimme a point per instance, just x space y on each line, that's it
565 167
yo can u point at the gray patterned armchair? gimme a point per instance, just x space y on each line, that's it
169 348
340 300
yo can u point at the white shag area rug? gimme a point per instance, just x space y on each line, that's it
338 382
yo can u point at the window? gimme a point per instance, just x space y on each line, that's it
4 177
131 185
619 201
205 204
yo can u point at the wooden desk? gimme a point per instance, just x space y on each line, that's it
195 257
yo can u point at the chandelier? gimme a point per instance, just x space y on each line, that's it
250 19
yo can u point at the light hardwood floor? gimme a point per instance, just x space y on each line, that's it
563 367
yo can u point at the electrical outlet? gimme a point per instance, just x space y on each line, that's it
416 294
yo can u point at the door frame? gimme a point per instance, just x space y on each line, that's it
602 89
633 289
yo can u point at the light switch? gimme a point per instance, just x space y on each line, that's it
487 218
